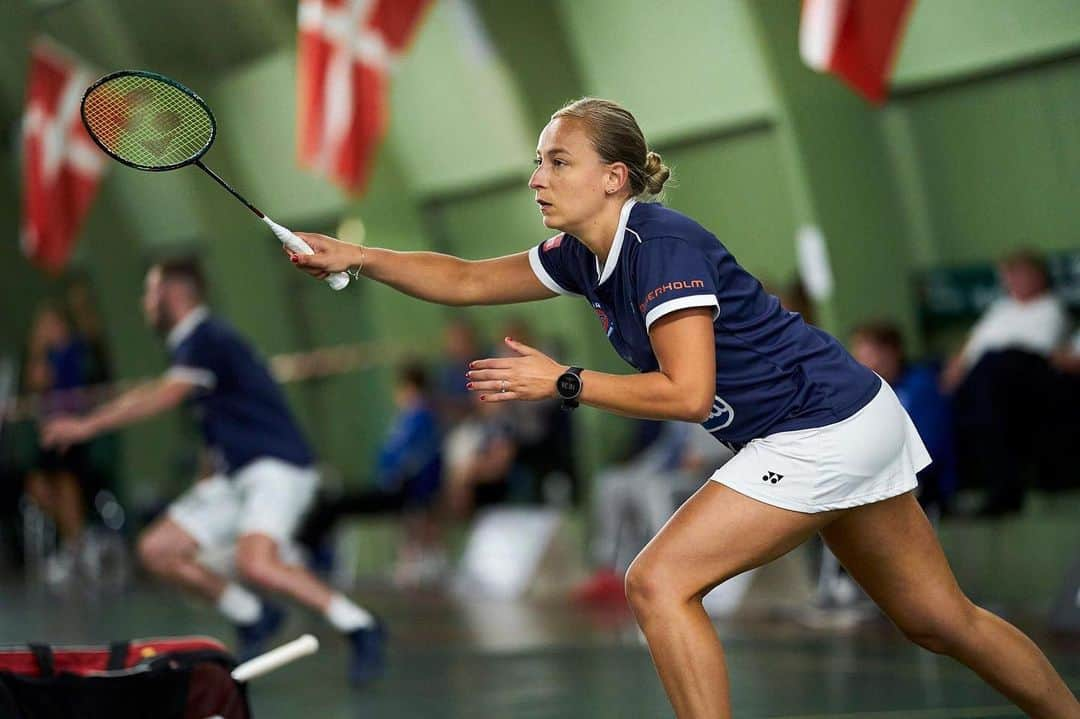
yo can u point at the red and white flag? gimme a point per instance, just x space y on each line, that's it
346 50
61 165
854 39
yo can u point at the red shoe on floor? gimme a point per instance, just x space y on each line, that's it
604 586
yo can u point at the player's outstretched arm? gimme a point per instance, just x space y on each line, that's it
430 276
132 406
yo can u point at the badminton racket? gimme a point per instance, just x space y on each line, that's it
152 122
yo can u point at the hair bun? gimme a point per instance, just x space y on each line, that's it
656 173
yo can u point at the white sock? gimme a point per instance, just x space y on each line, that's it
239 605
346 616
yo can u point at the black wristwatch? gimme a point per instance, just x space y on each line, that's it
569 387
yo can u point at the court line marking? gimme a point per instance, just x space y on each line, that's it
954 713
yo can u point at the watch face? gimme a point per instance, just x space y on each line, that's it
569 385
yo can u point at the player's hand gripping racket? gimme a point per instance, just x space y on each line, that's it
150 122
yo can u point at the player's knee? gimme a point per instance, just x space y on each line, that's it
259 569
941 629
645 586
153 554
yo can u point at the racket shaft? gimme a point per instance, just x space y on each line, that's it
337 280
227 186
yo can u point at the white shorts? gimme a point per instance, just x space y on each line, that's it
870 456
267 496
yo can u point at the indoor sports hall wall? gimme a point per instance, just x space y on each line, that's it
759 146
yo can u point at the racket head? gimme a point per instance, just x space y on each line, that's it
147 121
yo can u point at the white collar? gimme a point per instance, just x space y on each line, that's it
182 329
616 244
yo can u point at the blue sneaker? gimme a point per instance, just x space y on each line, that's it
251 638
368 659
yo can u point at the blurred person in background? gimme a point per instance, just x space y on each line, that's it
880 347
55 368
460 346
407 482
543 433
1028 318
263 483
86 318
823 444
1001 383
481 461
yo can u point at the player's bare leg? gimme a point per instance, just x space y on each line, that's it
891 550
259 562
715 535
171 553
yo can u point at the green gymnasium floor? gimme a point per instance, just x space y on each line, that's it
453 659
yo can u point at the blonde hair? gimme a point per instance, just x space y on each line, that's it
616 137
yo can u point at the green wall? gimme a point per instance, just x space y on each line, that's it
951 39
994 164
681 73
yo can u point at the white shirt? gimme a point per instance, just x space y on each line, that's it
1038 326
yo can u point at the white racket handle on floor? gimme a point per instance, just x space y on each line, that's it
336 280
275 658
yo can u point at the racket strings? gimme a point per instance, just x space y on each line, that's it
147 122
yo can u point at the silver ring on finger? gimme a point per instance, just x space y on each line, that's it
504 385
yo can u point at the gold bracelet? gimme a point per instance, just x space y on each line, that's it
355 274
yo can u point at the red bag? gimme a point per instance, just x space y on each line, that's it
170 678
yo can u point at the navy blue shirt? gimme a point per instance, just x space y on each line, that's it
918 390
774 372
410 458
241 410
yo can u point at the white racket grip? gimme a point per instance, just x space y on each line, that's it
336 280
275 658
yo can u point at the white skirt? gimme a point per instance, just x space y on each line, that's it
870 456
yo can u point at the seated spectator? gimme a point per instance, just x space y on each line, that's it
407 478
1029 318
1002 383
543 434
481 456
880 346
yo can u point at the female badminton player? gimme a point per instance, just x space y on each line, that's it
823 444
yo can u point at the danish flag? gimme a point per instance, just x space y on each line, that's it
61 165
854 39
346 50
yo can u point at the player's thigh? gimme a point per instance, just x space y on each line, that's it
892 551
715 535
164 539
208 512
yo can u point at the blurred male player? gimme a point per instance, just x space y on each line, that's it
264 483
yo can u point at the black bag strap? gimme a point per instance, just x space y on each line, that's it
44 656
118 652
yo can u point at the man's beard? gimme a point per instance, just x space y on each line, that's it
163 323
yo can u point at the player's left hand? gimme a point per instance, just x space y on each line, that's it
530 375
63 432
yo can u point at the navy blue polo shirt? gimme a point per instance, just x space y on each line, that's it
774 372
241 409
